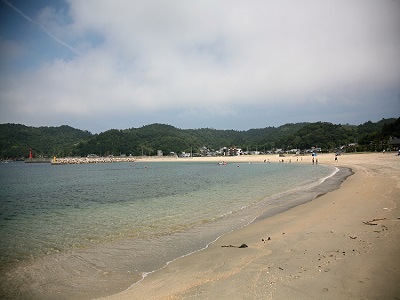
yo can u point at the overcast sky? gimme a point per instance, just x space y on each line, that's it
101 64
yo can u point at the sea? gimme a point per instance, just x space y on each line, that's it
92 230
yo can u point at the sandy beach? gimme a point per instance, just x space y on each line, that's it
342 245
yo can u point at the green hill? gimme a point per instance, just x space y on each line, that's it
16 139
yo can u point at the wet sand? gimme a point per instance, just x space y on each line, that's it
342 245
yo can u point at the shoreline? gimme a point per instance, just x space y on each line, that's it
312 250
307 197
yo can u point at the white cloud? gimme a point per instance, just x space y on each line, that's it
151 56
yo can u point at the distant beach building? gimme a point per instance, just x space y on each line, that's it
394 143
159 153
235 151
184 154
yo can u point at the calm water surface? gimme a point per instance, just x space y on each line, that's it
83 231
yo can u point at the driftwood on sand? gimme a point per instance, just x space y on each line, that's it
232 246
374 220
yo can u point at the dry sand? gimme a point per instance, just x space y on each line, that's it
342 245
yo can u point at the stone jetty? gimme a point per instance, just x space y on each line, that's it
92 160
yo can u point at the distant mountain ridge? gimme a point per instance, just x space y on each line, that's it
17 139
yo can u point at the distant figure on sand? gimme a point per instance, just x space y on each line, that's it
314 156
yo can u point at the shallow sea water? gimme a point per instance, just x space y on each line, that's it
85 231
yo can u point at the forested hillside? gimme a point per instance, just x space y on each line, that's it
16 139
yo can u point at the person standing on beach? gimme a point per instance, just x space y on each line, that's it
314 157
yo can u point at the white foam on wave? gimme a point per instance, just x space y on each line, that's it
329 176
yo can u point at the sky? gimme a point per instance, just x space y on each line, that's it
99 64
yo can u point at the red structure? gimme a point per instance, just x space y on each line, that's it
30 153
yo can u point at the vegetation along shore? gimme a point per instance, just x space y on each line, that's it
166 140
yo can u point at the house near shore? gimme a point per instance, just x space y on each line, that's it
235 151
394 143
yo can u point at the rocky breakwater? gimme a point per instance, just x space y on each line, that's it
91 160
